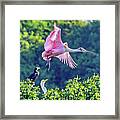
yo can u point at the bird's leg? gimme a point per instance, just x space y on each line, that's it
47 62
48 65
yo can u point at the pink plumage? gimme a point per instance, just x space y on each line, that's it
54 41
54 47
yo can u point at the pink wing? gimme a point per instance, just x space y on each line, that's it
53 40
67 59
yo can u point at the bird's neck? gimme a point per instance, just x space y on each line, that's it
42 84
72 50
44 89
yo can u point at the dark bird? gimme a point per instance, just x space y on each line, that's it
33 76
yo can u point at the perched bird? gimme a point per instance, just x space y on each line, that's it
33 76
54 47
42 84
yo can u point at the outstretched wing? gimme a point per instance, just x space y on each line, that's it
67 59
53 40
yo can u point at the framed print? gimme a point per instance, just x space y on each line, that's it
60 59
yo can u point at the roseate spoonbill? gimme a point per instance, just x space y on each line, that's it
54 47
42 84
33 76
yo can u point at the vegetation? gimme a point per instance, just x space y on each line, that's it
75 89
28 91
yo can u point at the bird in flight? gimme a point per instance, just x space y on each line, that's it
54 47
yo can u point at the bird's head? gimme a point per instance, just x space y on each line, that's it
82 49
37 69
87 51
44 81
65 45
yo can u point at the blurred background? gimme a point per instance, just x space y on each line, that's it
82 33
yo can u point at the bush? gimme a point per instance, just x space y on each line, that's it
28 91
75 89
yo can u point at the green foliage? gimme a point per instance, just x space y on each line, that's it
28 91
75 89
33 34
